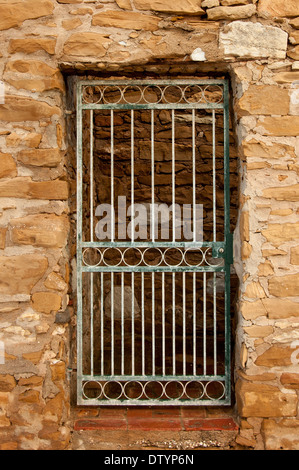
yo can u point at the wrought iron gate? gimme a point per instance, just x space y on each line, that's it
153 306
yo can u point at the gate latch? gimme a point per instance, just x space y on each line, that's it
224 250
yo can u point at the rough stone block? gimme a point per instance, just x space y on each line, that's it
8 168
7 383
183 7
275 356
270 150
37 84
284 286
15 13
40 157
24 187
19 274
43 230
126 20
55 282
31 45
254 290
124 4
280 233
3 231
294 53
264 99
289 380
279 126
34 356
252 310
253 40
282 435
280 308
295 255
86 44
31 140
231 12
21 108
265 401
283 193
279 8
46 302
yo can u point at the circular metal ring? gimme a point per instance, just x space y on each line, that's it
153 382
194 249
92 265
113 248
92 101
172 86
93 398
217 261
178 250
132 248
217 87
152 265
196 382
117 88
135 382
200 90
218 382
152 86
127 88
174 382
113 382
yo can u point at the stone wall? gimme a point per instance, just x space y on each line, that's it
256 44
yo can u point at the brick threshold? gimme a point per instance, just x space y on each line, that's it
153 420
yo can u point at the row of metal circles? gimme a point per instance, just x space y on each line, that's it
142 390
191 94
121 255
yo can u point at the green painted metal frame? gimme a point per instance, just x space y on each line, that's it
222 249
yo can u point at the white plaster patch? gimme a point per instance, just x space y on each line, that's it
253 40
198 55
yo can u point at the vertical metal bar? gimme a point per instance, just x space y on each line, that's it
91 324
102 323
112 323
215 322
153 174
173 176
153 325
142 324
204 323
132 176
163 324
214 240
112 178
194 175
79 241
91 203
173 326
91 176
133 322
184 323
194 323
122 324
214 178
227 238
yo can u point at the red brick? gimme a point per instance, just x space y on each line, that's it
218 424
114 413
194 413
100 424
155 424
